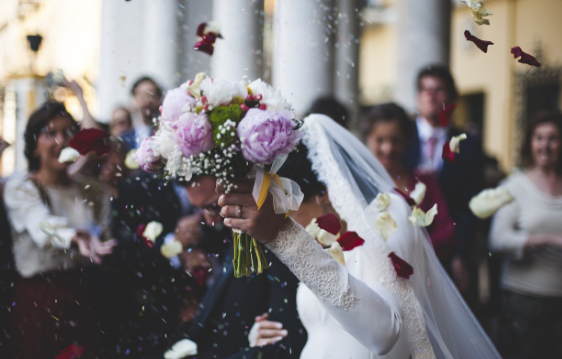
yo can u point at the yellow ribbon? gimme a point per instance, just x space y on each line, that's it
264 189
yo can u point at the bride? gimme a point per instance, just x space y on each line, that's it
363 309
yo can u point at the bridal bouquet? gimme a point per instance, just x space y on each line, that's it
227 130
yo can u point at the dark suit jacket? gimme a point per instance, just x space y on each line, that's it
458 182
230 306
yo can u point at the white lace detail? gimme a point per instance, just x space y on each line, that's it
351 209
313 265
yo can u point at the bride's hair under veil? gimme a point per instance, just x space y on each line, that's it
353 177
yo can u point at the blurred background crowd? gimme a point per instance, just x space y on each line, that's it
381 68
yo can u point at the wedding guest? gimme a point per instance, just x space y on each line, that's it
145 107
458 182
388 131
529 232
140 278
231 304
7 277
57 226
121 121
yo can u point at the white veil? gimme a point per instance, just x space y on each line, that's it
433 310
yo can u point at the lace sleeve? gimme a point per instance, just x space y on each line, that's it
354 304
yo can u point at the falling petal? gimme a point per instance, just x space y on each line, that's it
489 201
90 140
525 57
445 114
336 252
402 268
481 44
350 240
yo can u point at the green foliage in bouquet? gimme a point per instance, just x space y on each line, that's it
224 131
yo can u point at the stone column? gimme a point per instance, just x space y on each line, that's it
159 41
346 80
120 53
423 38
303 51
240 51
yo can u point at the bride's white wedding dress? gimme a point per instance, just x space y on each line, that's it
364 310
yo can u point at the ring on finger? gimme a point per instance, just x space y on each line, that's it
239 212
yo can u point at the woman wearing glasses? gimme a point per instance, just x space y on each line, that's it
57 225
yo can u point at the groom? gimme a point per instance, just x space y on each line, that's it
231 305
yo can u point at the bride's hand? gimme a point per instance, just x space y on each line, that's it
241 212
265 332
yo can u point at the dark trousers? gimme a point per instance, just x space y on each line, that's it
52 312
530 327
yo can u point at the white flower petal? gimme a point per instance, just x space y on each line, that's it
478 11
489 201
385 224
153 230
420 218
130 161
336 252
313 229
181 349
382 201
194 89
418 193
454 144
326 238
68 154
172 249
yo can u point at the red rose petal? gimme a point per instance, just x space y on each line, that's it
445 114
448 155
200 275
525 57
402 268
140 232
350 240
330 223
481 44
408 199
201 29
90 140
71 352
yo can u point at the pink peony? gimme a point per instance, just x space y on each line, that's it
174 102
147 157
266 134
195 134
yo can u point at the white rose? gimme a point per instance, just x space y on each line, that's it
171 249
219 92
68 154
385 224
336 252
271 98
418 193
152 230
454 144
420 218
181 349
166 142
382 201
489 201
130 161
